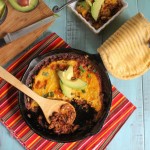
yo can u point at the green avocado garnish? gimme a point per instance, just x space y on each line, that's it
31 6
75 84
81 69
65 77
95 9
67 91
45 74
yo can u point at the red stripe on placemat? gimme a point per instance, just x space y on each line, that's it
14 118
43 145
46 145
106 132
58 43
22 130
8 106
10 115
89 142
6 88
32 140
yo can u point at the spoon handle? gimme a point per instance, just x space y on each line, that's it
16 83
56 9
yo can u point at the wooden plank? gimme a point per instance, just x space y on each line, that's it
16 20
75 29
131 136
146 95
144 8
93 41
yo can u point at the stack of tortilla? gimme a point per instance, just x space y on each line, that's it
126 54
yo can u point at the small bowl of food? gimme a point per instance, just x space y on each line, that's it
97 14
70 75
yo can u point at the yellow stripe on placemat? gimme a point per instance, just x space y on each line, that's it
117 103
3 93
8 107
117 121
49 145
9 125
72 144
27 135
110 137
23 131
33 141
58 45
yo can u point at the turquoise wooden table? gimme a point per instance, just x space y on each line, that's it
134 135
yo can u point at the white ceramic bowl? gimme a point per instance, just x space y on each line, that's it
73 5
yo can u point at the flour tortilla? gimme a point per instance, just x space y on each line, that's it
126 54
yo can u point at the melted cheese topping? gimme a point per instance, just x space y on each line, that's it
46 84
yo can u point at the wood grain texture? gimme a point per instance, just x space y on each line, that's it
134 135
16 20
143 6
146 97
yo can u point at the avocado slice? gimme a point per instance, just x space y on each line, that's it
66 90
31 6
2 8
68 73
74 84
95 9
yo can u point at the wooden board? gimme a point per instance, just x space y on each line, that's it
16 20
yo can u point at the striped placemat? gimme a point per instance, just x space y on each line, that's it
10 115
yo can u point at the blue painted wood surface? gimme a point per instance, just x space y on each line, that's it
134 135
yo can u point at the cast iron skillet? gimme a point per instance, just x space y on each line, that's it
77 135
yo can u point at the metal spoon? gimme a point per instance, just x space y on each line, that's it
48 106
56 8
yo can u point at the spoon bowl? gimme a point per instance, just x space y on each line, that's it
48 106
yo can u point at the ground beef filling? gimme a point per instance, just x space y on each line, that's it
62 122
